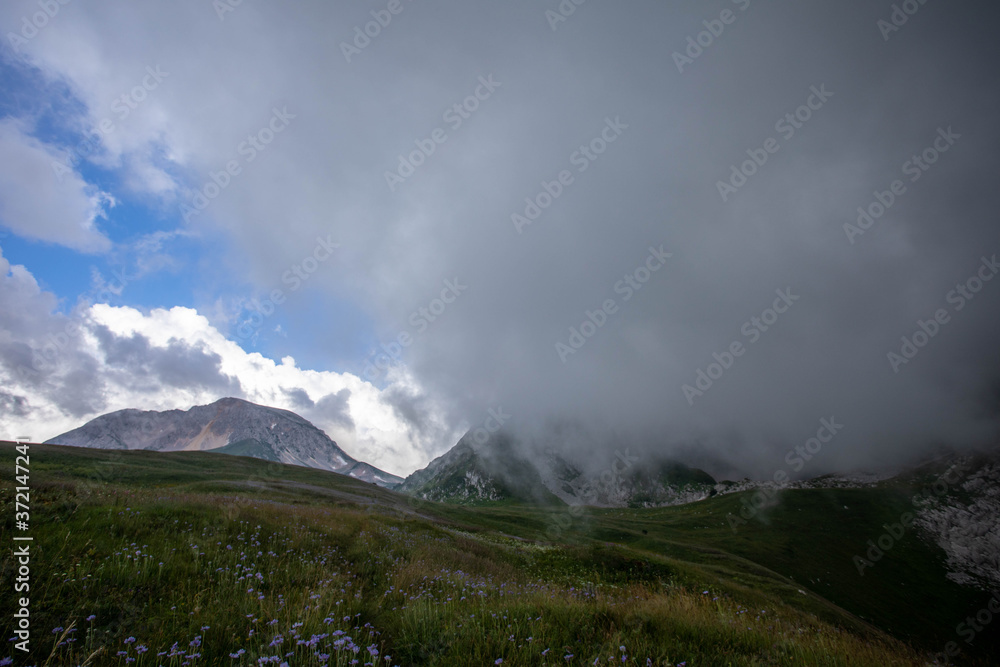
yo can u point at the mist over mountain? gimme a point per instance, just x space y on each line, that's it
471 472
814 313
504 467
516 332
228 426
701 236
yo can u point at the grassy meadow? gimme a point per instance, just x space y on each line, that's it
143 558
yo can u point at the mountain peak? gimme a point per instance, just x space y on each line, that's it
506 468
229 426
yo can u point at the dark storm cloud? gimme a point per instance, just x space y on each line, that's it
412 407
40 350
333 407
177 365
14 404
64 375
19 360
79 391
861 108
300 398
611 161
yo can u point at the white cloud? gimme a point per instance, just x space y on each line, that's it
37 203
380 437
83 353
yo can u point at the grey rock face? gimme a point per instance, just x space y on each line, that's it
236 425
506 469
967 526
473 472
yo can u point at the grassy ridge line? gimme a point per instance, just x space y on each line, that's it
199 488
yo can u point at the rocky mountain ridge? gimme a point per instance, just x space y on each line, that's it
506 468
228 426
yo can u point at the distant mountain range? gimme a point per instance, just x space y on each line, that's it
228 426
503 468
963 523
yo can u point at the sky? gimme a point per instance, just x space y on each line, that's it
694 229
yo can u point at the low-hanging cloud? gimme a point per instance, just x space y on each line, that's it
745 165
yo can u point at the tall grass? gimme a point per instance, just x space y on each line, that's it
124 576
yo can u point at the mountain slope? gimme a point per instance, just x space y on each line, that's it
471 472
228 426
655 483
503 468
662 591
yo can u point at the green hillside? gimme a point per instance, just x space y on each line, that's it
231 560
472 474
254 448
